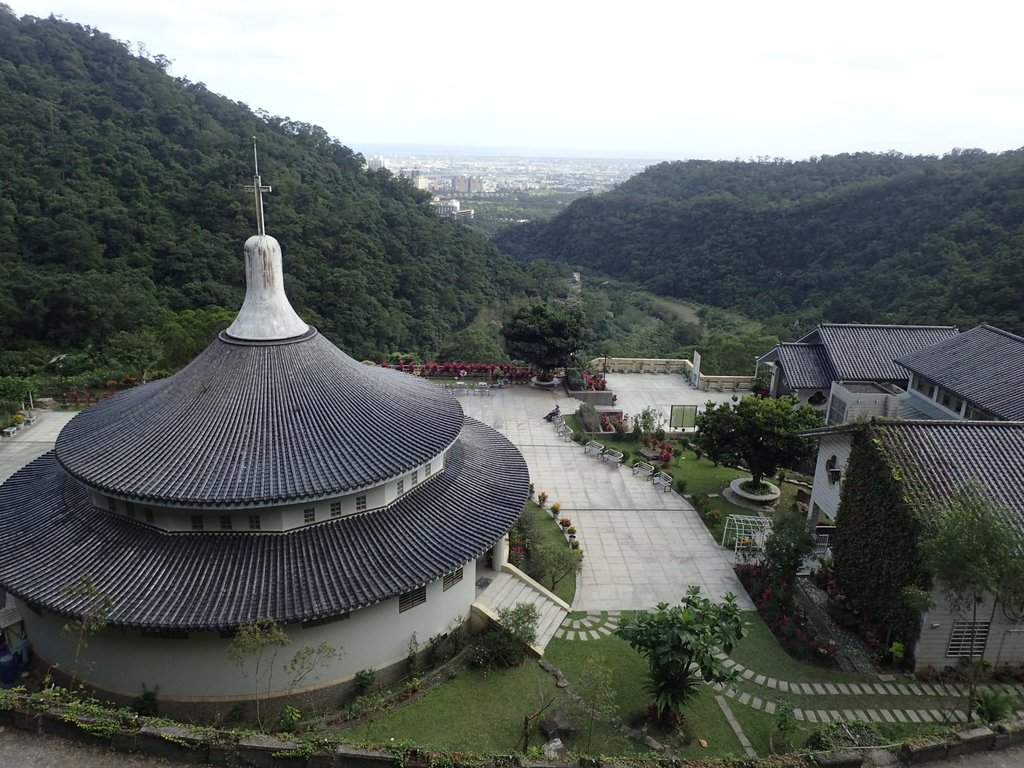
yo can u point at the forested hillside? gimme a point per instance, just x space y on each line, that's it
123 209
850 238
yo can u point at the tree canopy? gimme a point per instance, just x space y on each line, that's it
758 432
544 335
123 208
881 238
681 644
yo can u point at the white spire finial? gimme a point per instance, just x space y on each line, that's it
266 314
258 189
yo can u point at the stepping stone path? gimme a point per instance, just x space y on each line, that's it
593 626
596 625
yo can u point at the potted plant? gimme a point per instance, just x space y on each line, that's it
555 508
565 522
542 498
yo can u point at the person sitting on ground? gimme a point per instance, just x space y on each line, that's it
552 415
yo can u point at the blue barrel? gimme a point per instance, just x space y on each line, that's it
10 668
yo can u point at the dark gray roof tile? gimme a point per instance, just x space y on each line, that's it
984 366
248 424
50 534
944 456
869 352
806 366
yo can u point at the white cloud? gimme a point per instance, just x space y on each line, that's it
646 78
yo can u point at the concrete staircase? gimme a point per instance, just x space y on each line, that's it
511 587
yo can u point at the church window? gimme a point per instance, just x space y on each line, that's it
426 470
254 522
410 600
335 509
451 579
401 486
415 477
361 502
225 522
309 515
197 522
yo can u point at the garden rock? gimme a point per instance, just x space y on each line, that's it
557 724
555 749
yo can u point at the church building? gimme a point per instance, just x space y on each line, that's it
272 477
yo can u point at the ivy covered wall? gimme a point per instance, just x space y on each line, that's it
877 553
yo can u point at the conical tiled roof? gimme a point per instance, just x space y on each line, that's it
249 424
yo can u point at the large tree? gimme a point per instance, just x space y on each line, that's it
682 644
760 433
544 335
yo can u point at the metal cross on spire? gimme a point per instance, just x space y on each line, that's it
258 189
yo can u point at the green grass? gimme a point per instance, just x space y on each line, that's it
550 533
761 652
628 671
483 713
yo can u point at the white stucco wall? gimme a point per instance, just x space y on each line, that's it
1005 645
824 493
198 668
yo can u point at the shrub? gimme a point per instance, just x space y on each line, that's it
363 682
589 418
681 485
992 704
505 645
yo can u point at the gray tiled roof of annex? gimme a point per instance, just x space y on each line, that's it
984 365
869 352
806 365
945 455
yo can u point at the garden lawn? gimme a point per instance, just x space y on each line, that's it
551 533
483 713
628 672
761 652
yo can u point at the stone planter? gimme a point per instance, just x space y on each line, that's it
546 384
768 498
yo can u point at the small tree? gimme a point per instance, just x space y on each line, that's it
759 433
252 644
551 563
597 694
94 609
788 544
544 336
973 555
681 644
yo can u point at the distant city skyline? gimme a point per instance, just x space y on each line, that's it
649 80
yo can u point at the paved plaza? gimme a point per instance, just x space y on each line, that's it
642 545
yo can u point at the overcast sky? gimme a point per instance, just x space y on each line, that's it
665 79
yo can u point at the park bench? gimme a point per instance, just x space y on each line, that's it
10 431
615 457
593 447
663 480
642 467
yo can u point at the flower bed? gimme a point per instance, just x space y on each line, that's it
789 624
508 371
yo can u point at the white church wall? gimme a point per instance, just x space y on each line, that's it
198 667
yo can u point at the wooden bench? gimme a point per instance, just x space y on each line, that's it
664 480
645 468
615 457
593 447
